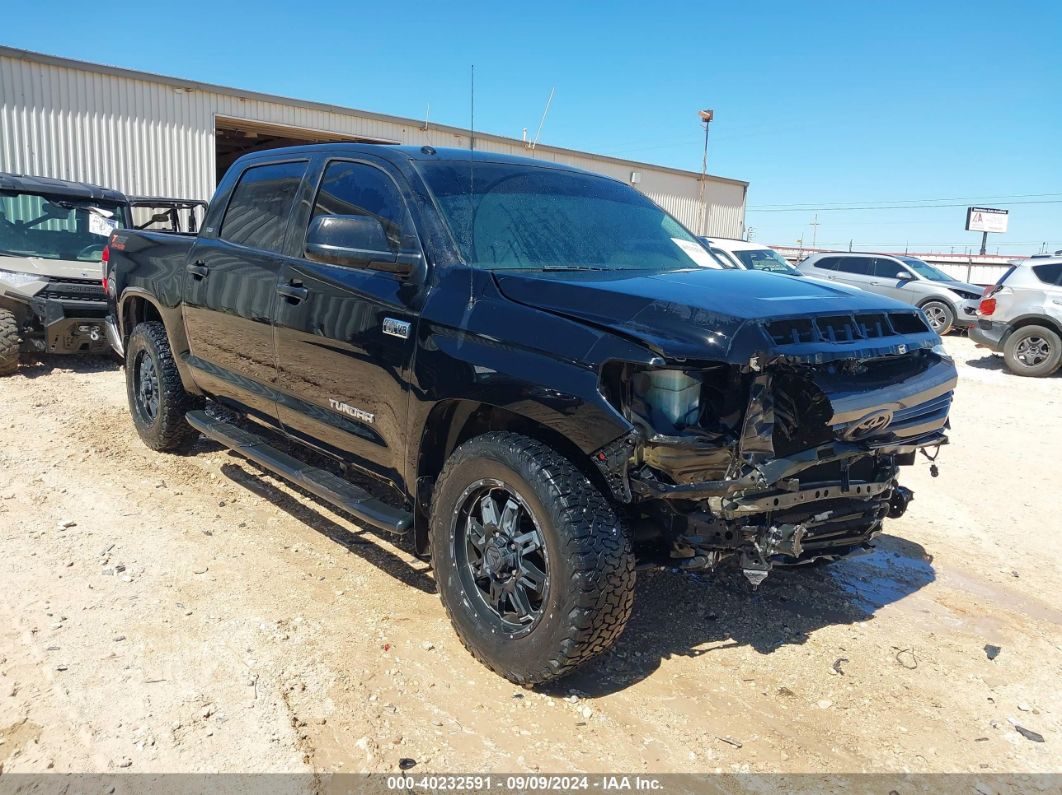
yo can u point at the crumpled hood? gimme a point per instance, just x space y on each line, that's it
973 288
52 268
697 314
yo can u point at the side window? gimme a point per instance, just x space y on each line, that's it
361 189
1049 274
888 268
828 263
257 214
859 266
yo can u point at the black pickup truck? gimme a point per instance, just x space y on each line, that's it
548 374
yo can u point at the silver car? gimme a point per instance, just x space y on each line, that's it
1021 317
947 302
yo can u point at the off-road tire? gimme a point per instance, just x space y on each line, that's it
590 564
10 342
943 310
1023 334
167 431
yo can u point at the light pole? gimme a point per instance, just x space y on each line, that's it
706 117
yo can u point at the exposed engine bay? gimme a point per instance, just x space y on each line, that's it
782 461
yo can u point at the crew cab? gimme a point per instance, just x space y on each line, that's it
546 377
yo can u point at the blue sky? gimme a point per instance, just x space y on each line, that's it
817 104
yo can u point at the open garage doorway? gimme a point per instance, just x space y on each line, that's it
236 137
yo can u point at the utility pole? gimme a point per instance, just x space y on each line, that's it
984 242
706 117
814 230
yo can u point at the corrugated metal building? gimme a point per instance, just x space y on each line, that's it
152 135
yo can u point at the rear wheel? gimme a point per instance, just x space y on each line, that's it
532 564
941 316
1033 350
10 342
157 399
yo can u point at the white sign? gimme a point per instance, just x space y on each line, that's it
98 225
985 219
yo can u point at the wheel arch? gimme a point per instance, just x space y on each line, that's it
452 422
1031 320
138 306
19 309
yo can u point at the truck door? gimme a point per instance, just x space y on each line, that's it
230 289
345 335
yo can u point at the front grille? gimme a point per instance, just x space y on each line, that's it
75 290
845 328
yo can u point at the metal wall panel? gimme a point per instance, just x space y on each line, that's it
144 134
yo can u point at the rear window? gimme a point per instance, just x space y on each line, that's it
1006 275
258 211
1048 274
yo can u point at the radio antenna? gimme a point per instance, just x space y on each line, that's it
549 102
471 180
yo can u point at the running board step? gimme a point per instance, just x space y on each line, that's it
334 489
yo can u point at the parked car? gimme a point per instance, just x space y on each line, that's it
52 236
947 302
536 366
749 256
1021 317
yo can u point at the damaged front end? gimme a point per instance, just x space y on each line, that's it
789 457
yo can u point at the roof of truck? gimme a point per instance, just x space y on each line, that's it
46 186
424 153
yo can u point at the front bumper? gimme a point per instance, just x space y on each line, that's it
71 325
989 334
966 313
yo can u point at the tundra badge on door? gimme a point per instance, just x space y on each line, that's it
350 411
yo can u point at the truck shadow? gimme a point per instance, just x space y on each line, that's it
691 615
363 543
996 363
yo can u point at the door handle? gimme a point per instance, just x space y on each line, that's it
293 291
198 270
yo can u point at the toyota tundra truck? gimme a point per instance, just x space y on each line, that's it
546 379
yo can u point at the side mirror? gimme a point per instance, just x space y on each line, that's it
905 276
356 241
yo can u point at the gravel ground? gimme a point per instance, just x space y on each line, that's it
162 613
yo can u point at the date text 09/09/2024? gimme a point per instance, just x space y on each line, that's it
521 783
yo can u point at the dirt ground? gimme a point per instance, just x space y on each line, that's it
198 615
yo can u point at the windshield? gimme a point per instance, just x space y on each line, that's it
53 227
515 217
765 259
927 271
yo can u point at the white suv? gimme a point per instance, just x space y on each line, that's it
1021 317
749 256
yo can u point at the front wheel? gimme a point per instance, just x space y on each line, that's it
1033 350
157 398
532 564
941 316
10 342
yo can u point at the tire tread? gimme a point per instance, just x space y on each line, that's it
171 433
10 342
601 562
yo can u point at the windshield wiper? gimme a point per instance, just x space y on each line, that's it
573 268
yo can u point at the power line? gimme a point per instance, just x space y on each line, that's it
847 205
885 207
